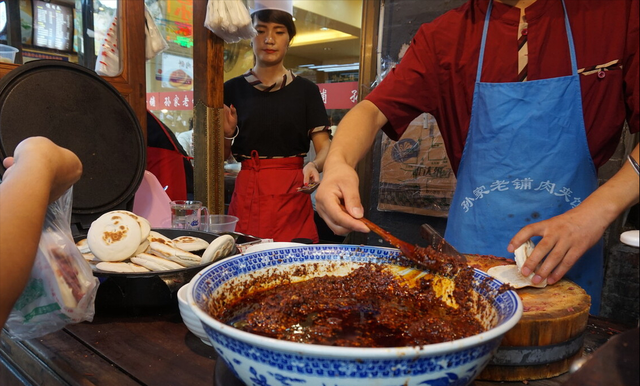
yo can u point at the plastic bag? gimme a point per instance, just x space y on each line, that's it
154 42
108 61
61 289
230 20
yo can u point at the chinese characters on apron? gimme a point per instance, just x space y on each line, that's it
526 159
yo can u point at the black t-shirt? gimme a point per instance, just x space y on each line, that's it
276 123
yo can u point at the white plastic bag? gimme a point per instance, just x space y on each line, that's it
154 42
61 289
108 61
230 20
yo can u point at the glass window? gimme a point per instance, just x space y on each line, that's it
77 31
325 50
170 73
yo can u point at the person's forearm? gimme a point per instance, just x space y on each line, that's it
355 134
321 144
227 149
616 195
22 213
37 174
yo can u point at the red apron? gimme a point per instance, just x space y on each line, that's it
168 165
267 203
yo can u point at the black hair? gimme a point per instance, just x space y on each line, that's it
276 16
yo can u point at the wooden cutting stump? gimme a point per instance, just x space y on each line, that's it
548 337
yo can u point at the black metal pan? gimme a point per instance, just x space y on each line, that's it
143 292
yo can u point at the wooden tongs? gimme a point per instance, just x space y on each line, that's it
433 258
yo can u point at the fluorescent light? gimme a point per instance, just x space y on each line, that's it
304 39
333 67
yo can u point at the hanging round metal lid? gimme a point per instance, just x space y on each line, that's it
78 110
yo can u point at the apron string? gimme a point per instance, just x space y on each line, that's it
255 157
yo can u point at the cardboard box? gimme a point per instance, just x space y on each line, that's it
415 173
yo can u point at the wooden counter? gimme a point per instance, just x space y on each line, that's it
155 349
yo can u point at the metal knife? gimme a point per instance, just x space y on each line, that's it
437 242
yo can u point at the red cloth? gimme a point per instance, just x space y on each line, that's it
167 166
267 203
437 73
165 160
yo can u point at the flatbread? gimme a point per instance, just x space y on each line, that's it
83 246
114 236
145 226
91 258
510 274
120 267
190 243
155 263
142 248
219 248
184 258
160 238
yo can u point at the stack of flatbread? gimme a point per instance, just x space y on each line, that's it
121 241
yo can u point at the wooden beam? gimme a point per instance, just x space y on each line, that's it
368 69
208 63
132 81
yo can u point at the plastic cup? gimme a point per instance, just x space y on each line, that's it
7 53
220 223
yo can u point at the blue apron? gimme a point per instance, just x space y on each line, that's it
526 159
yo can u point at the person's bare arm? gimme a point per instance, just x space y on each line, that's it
230 127
566 237
37 175
321 144
354 137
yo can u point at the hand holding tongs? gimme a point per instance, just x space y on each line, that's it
442 262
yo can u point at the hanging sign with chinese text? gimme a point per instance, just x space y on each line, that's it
342 95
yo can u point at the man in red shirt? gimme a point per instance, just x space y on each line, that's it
531 98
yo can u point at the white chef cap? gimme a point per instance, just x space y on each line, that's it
279 5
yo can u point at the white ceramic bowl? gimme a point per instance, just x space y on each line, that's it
260 360
188 317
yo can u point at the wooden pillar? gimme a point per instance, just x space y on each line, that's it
368 72
208 63
132 82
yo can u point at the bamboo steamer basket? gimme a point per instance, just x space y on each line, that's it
548 337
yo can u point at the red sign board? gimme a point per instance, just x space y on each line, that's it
172 100
334 95
342 95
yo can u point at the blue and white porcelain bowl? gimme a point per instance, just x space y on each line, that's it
258 360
